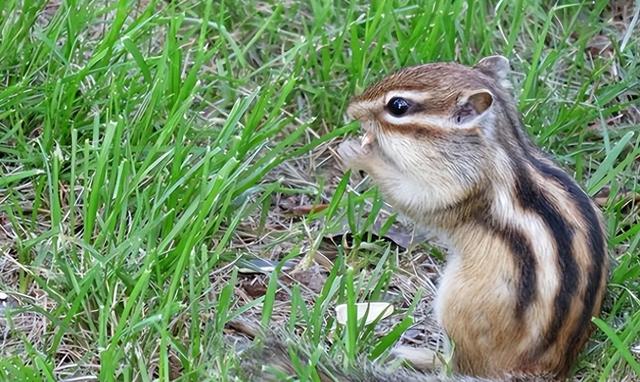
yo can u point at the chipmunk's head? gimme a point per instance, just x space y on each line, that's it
433 128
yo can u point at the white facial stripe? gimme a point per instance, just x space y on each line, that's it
419 119
440 121
410 95
541 243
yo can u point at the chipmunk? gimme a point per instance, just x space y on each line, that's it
527 263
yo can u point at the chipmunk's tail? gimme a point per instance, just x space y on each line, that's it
279 356
274 360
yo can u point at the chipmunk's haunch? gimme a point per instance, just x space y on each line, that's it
527 264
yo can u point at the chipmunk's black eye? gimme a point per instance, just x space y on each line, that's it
398 106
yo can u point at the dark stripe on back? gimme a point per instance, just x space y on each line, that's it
525 262
532 198
476 206
514 122
596 244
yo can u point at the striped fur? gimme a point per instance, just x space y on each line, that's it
527 266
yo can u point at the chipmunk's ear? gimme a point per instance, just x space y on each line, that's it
471 105
496 67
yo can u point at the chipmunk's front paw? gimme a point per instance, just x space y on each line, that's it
353 154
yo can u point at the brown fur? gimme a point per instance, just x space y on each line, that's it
528 266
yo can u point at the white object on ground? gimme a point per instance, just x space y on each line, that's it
372 310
